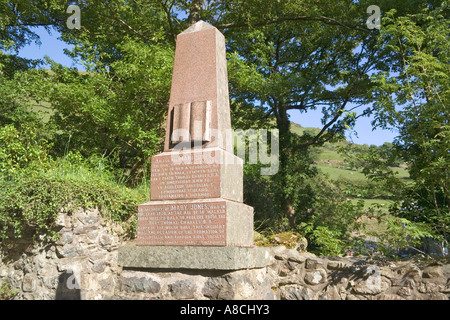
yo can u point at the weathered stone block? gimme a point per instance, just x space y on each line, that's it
192 257
29 282
183 289
197 174
211 222
139 284
315 277
432 272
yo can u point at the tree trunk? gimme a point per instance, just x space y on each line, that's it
284 126
195 12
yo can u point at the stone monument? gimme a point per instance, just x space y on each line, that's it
196 218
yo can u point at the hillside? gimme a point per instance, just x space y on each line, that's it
333 164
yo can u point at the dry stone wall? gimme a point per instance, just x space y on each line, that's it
82 264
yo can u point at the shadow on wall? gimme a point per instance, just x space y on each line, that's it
68 287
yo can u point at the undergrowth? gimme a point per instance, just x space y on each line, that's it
33 199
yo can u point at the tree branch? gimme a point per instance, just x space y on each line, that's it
326 20
339 112
167 11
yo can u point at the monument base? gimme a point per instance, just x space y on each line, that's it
191 257
201 222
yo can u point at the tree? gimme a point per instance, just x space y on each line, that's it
414 98
283 56
293 55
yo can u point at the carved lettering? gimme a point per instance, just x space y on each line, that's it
182 224
184 181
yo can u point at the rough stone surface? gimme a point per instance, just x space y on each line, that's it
81 264
78 266
191 257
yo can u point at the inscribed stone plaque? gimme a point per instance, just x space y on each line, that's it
200 174
184 181
200 223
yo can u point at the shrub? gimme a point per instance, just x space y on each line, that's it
20 149
6 292
33 198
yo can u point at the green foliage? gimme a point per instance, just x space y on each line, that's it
117 111
19 149
401 233
379 164
414 100
7 292
34 197
324 240
330 219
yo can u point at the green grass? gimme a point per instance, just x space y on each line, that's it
381 204
338 173
43 109
299 130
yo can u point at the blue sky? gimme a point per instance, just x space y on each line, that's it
54 48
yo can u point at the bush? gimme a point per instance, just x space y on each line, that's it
21 149
6 292
331 219
33 198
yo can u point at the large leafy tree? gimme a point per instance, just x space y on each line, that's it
284 56
414 99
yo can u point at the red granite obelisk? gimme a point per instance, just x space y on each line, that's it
197 182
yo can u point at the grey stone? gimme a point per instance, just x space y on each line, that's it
313 263
369 286
191 257
338 265
315 277
65 238
218 288
139 284
3 271
51 252
183 289
106 240
438 296
51 282
84 229
432 272
92 236
302 244
29 282
91 219
107 284
295 292
294 256
99 266
68 250
404 292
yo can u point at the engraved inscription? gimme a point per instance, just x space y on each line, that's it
184 181
182 224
